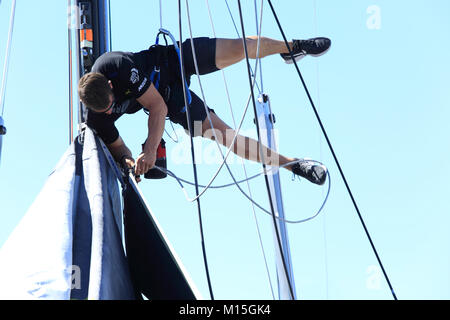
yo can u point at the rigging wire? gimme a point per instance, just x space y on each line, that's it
212 127
232 19
181 180
325 240
332 151
176 140
260 146
229 150
254 105
205 260
69 34
233 141
207 112
283 259
259 32
160 15
237 131
239 36
242 161
7 55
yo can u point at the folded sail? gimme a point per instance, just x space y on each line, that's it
156 269
69 243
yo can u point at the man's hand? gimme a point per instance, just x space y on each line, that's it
129 162
145 162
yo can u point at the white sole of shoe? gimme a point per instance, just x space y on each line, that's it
320 171
302 56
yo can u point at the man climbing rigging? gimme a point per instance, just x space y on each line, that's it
124 82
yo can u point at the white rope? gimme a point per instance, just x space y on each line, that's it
242 161
259 32
8 51
209 116
236 183
161 27
224 157
239 36
234 139
160 15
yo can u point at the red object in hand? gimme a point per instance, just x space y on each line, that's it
161 161
161 152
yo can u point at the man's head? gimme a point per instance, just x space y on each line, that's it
95 91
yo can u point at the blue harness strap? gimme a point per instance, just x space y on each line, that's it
156 71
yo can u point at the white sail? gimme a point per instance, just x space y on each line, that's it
69 243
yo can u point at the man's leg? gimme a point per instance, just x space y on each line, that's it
244 147
250 149
231 51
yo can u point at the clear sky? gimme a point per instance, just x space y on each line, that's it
382 91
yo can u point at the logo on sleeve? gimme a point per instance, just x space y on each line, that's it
134 76
142 84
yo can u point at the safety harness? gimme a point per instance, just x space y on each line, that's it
162 60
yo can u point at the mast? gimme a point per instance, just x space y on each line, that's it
92 38
285 275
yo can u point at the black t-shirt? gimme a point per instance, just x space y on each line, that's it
130 77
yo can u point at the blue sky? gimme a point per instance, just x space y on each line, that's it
382 92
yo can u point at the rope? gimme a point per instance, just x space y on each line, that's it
8 52
160 15
332 151
262 153
209 118
229 150
207 112
205 260
242 161
325 240
213 130
249 197
239 36
161 27
259 32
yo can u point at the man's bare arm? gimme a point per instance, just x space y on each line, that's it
119 150
122 154
154 103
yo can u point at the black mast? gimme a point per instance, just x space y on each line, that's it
93 38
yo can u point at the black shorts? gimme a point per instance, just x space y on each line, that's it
205 49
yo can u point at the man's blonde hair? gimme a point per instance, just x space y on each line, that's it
94 91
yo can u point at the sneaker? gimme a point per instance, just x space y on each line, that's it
314 47
311 170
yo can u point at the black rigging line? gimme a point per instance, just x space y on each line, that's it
191 132
261 152
332 151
